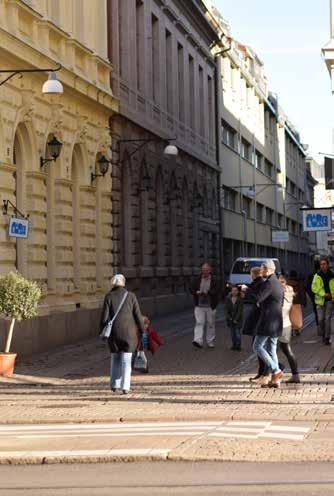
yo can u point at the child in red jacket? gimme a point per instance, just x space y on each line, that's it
148 341
152 339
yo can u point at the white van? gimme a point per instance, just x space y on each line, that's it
240 272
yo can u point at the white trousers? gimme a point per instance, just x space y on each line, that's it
204 315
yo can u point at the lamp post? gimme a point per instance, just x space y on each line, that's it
51 86
170 150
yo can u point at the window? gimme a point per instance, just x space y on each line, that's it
229 199
247 206
229 135
269 216
139 39
155 59
258 160
245 150
280 220
293 227
259 212
293 188
169 71
201 100
191 92
268 168
180 57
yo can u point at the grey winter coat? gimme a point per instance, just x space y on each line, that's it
270 298
124 335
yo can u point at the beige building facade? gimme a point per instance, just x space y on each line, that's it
69 247
262 159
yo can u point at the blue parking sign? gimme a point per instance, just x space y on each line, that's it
18 228
317 219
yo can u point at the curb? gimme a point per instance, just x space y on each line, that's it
98 456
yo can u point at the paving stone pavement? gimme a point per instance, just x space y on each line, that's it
70 385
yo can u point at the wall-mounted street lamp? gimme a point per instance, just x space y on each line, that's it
170 150
54 149
103 165
52 86
251 189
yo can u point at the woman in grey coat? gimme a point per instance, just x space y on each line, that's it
123 341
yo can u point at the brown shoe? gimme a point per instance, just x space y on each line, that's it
271 384
276 376
264 380
255 379
294 379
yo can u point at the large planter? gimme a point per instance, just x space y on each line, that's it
7 362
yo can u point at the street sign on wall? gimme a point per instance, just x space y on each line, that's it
279 236
317 219
18 228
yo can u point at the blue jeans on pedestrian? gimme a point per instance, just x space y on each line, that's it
269 357
235 336
120 371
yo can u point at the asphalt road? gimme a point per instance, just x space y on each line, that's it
161 478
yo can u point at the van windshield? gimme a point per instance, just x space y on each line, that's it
245 266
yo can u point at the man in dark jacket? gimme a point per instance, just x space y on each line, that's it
270 325
251 318
206 297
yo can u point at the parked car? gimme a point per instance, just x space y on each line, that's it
240 272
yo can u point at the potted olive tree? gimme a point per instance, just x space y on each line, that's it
19 299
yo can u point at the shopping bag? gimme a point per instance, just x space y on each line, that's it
296 316
140 362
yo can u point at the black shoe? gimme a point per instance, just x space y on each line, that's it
197 345
327 342
238 348
233 348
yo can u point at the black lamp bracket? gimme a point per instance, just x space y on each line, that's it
7 204
141 143
17 72
43 161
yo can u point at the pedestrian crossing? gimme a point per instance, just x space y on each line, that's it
214 429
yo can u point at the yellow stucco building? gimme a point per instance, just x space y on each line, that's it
69 248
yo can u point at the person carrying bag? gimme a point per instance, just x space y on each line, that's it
120 329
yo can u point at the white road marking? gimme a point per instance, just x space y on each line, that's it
115 434
227 429
287 428
279 435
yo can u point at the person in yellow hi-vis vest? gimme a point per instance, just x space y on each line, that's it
323 289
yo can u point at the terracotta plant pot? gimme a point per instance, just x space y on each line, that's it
7 362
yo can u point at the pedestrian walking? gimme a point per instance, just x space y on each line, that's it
234 306
270 325
206 297
251 315
149 341
311 295
285 339
323 289
123 339
298 285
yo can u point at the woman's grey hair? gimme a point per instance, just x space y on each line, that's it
118 280
269 265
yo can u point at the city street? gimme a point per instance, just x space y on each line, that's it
179 478
193 405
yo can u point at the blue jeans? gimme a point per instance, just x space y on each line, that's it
235 336
120 370
268 357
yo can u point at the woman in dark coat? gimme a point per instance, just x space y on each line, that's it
251 317
270 325
123 341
